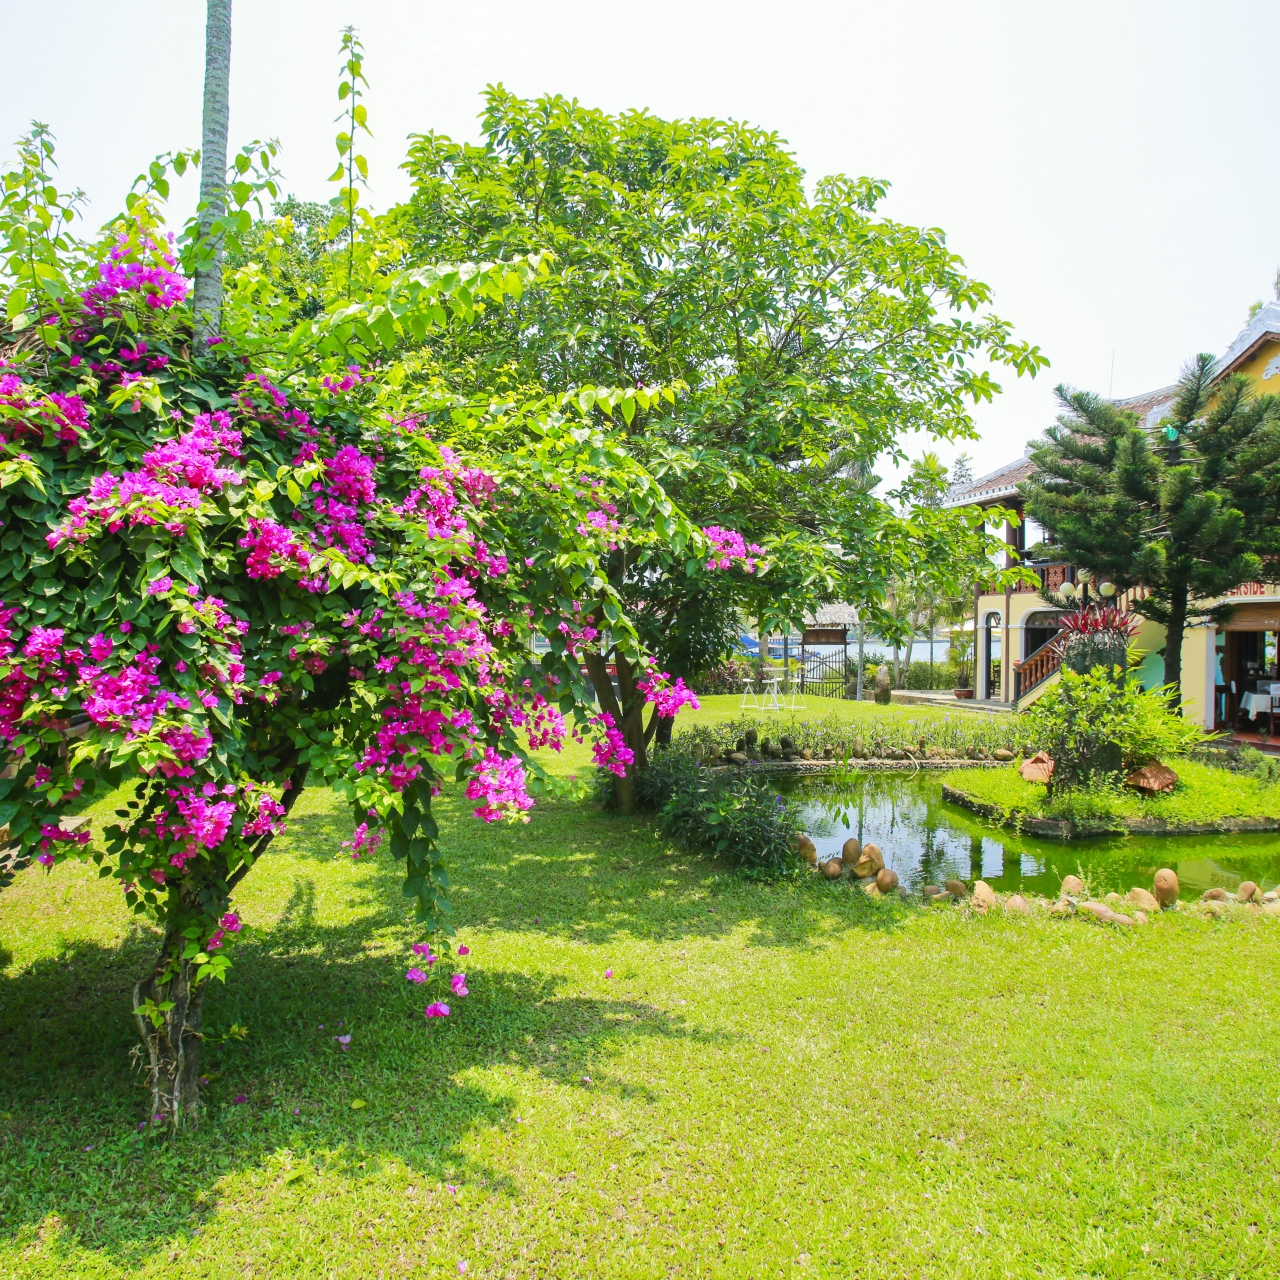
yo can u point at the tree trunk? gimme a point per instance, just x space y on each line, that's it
213 164
632 727
172 1048
1174 628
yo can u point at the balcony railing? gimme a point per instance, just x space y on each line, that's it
1036 669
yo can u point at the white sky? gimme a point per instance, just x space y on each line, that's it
1109 168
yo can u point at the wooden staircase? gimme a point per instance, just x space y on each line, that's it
1035 669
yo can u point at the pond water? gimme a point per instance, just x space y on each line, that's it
925 840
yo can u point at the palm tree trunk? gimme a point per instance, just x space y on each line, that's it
213 165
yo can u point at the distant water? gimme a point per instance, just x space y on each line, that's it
926 841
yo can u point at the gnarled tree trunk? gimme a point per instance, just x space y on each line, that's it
173 1047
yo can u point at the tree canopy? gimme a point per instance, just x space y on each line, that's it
809 335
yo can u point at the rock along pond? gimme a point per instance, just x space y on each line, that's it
925 840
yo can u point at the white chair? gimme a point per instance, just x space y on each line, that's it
769 687
748 692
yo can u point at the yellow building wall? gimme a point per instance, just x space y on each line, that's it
1256 367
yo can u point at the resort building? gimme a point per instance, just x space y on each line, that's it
1226 671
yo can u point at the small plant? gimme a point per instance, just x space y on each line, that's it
1096 732
1096 637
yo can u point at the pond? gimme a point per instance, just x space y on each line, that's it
926 840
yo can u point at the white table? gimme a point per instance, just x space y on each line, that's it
1256 704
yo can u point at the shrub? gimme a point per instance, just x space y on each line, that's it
728 677
740 819
920 675
1096 730
1095 637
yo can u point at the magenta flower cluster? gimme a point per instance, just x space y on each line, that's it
125 272
666 696
728 549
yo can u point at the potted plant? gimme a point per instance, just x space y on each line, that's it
962 657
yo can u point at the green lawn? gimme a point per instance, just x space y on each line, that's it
777 1081
1203 794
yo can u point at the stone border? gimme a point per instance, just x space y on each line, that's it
1065 829
871 766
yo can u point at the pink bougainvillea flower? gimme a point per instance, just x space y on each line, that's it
240 1097
459 984
416 975
344 1041
608 973
437 1010
463 950
421 948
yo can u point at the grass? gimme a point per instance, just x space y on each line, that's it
783 1079
1203 794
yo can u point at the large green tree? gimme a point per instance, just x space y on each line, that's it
807 334
1185 509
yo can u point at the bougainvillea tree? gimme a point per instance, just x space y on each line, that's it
238 567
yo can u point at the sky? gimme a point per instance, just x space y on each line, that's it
1109 169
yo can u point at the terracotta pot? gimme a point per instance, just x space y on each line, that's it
963 693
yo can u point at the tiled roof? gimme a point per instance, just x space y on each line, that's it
1264 324
995 486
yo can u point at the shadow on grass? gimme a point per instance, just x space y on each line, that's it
575 871
70 1103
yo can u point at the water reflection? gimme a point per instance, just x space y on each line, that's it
926 841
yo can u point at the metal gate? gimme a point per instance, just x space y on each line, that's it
823 674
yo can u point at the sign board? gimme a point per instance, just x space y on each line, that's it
1253 617
824 635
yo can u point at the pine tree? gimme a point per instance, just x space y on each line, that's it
1186 509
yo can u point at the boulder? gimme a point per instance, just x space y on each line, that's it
1038 769
1247 892
886 880
1061 908
1216 894
1152 779
1098 910
1271 896
786 743
931 891
1139 917
1271 908
956 889
751 737
806 849
806 754
1141 898
737 757
1165 887
1112 899
1018 905
870 861
858 749
1118 917
851 850
1072 886
699 752
1003 754
833 868
883 687
984 896
1214 908
870 888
